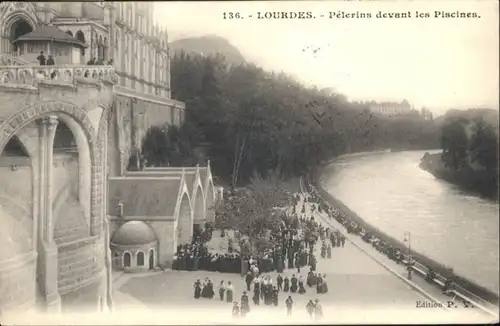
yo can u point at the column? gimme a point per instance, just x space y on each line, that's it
108 267
42 159
47 253
51 133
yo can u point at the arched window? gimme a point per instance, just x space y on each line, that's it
140 258
126 259
151 259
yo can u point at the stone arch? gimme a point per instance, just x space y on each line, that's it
81 37
82 129
199 205
184 220
15 17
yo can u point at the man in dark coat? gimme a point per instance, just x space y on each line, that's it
41 59
279 282
248 280
294 285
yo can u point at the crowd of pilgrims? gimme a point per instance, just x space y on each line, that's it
265 292
293 252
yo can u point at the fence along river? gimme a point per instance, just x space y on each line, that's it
390 191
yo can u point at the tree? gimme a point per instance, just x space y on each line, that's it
483 145
454 142
251 211
253 121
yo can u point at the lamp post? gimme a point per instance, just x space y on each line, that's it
410 263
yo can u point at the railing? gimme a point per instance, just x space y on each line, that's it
438 279
149 97
33 74
9 60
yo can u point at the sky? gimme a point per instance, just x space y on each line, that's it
439 63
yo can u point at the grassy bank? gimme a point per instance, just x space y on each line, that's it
426 261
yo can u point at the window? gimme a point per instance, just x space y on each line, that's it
140 258
126 259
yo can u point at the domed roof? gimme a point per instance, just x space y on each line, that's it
133 233
49 33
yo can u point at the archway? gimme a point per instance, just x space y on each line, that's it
89 158
184 221
151 259
19 28
70 118
126 259
71 219
81 37
71 180
140 258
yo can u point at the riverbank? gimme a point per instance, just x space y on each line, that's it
482 182
436 266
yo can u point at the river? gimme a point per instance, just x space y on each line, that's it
390 191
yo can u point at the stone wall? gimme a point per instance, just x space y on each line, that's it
17 185
76 264
134 117
18 282
65 172
167 241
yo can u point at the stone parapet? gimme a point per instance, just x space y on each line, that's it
33 74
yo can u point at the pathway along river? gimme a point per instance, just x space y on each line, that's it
390 191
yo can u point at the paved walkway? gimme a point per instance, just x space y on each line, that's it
363 252
361 290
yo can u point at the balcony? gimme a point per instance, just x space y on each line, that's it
31 75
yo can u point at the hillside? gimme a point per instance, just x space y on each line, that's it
209 45
489 115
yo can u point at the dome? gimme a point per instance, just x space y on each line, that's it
133 233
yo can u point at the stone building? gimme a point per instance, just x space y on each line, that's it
66 135
132 244
390 108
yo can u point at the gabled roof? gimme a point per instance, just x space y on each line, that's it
189 176
203 175
143 196
49 33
